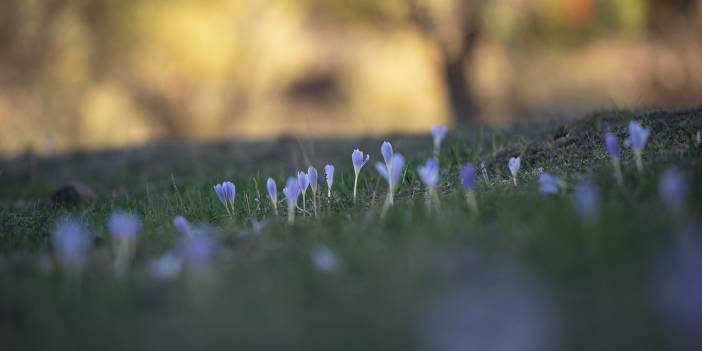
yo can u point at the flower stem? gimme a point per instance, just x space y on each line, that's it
616 164
355 184
639 160
291 213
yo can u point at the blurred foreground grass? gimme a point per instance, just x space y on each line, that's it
524 274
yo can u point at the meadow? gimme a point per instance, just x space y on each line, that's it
527 270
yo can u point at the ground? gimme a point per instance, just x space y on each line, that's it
524 273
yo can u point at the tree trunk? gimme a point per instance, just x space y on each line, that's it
458 90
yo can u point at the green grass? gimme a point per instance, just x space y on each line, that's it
525 261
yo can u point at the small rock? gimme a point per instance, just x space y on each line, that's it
72 194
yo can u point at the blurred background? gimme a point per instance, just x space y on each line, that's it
78 74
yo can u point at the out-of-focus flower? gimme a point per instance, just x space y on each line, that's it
467 178
312 178
638 136
698 138
226 193
673 188
548 184
256 225
429 173
329 171
198 249
397 165
273 193
680 290
386 151
612 144
123 227
182 225
513 164
438 132
358 163
71 241
167 266
586 200
291 191
324 259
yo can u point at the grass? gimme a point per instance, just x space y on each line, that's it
525 273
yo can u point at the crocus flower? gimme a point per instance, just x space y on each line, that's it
673 188
358 163
438 132
312 178
386 151
586 200
291 191
198 249
513 165
124 228
548 184
226 193
467 178
612 143
329 171
166 266
324 259
397 166
304 183
71 241
429 174
638 136
273 193
256 225
182 225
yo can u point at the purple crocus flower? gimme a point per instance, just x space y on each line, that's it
182 225
226 193
358 163
638 136
397 165
273 193
304 182
386 151
468 177
513 164
586 200
673 188
312 178
291 192
123 225
71 241
548 184
438 132
329 171
429 173
199 248
324 259
612 143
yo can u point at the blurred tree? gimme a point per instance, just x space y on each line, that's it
452 25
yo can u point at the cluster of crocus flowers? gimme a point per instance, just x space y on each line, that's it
638 136
358 161
226 193
513 164
438 133
124 228
291 192
612 144
467 178
272 189
429 174
71 241
329 172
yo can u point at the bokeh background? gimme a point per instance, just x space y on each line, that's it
78 74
